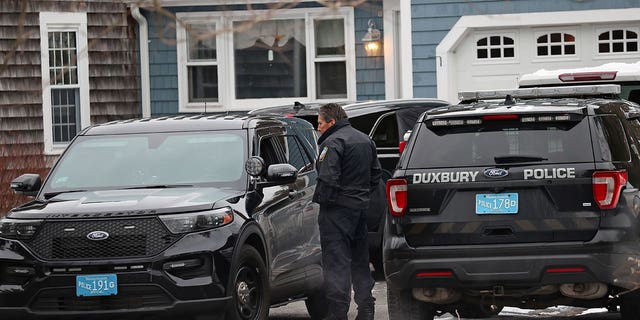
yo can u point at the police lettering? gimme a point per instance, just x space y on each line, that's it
445 177
553 173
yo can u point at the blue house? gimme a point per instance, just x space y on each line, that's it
222 55
217 56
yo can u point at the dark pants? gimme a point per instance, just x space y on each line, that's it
343 236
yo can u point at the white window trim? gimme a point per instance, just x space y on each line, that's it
601 29
445 51
72 22
182 57
225 57
502 60
562 57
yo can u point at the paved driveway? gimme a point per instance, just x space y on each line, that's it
297 311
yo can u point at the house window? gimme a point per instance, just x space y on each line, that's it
270 59
202 64
299 55
556 44
618 41
65 91
495 47
330 59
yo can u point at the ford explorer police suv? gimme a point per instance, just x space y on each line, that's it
527 201
208 216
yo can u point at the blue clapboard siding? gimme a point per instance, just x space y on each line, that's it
432 20
164 71
369 70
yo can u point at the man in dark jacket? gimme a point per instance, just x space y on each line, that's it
348 170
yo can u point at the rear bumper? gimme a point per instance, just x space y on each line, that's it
517 266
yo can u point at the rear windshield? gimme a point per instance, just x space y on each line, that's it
501 142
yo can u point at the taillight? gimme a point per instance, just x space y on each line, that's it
397 196
402 145
588 76
607 186
490 117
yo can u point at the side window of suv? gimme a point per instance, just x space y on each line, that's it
296 156
612 140
272 150
385 133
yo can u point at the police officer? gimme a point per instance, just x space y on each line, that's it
348 170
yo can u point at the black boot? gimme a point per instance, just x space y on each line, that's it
366 312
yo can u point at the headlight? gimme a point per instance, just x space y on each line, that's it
18 229
197 221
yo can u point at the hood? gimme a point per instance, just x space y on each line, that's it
120 203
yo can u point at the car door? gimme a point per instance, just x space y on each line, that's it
385 135
278 209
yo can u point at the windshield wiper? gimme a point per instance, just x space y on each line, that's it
50 195
160 186
517 158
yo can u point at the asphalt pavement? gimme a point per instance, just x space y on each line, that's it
298 311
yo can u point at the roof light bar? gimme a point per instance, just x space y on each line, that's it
454 122
548 92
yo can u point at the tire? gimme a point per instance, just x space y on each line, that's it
249 287
476 311
402 306
629 307
317 305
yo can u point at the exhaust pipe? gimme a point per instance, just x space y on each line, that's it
587 291
437 295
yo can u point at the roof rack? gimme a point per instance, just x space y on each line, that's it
545 92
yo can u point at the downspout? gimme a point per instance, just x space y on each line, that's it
144 61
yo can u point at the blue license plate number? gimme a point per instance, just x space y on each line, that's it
497 203
96 285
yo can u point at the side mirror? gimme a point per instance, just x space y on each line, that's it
27 184
282 173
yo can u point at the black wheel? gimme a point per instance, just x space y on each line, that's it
249 287
477 312
317 305
629 307
402 306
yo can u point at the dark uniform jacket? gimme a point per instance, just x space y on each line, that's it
348 167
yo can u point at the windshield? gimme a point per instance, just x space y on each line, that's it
214 158
498 142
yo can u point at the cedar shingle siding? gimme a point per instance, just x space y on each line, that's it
113 79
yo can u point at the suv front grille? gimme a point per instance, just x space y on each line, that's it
135 297
58 240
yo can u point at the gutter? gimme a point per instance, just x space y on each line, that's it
144 60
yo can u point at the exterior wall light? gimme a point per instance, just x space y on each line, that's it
371 40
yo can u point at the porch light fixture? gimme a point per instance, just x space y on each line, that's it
371 40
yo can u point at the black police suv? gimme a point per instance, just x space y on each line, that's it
528 201
198 215
385 122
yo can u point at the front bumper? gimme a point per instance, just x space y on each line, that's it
149 286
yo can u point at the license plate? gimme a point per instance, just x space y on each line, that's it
96 285
496 203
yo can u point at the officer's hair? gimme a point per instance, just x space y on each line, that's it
332 111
